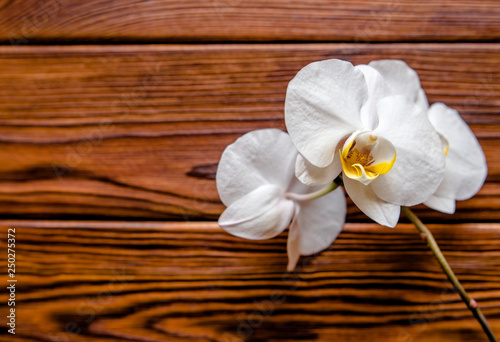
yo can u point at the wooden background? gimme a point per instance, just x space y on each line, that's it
113 116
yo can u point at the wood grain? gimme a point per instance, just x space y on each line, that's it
137 281
136 131
51 21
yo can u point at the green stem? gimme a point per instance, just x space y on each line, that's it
317 194
469 301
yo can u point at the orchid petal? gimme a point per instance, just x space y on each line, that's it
261 214
377 89
420 162
422 100
309 174
401 79
466 168
257 158
316 225
445 143
322 106
366 200
293 244
442 204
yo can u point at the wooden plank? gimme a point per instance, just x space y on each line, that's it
114 281
33 21
137 131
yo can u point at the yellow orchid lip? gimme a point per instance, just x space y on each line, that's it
365 156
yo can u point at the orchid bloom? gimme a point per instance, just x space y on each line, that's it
255 180
360 121
466 167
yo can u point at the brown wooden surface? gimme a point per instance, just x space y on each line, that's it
137 131
137 281
134 133
32 21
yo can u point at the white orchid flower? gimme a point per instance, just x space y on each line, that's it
466 168
255 180
358 122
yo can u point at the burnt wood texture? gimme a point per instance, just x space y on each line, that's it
136 131
137 281
113 116
160 21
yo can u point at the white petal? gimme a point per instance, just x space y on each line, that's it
322 105
422 101
257 158
466 168
420 161
377 89
261 214
316 225
293 244
366 200
312 175
442 204
401 79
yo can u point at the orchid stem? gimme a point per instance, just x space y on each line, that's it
432 244
317 194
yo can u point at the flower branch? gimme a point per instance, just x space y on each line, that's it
432 244
316 194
